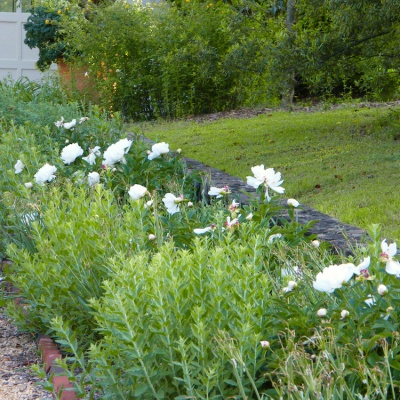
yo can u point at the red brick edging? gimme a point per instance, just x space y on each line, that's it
63 388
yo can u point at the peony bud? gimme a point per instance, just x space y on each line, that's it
152 237
293 203
322 312
382 290
315 243
249 217
264 344
190 204
344 314
28 185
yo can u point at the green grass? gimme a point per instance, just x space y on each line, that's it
345 162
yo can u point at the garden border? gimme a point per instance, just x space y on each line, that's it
49 351
341 236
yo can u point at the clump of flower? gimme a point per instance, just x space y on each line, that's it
267 177
291 285
70 153
18 167
69 125
136 192
93 153
172 203
158 149
333 277
59 123
218 192
200 231
45 174
293 203
233 206
116 152
93 178
388 252
230 225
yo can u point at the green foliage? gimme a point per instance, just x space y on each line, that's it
43 32
168 61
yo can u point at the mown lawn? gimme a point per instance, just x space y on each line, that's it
343 162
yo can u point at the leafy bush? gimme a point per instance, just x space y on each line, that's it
168 61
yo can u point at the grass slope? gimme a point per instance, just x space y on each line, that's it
343 162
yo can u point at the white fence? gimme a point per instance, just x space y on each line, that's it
16 58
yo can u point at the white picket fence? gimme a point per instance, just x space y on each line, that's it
16 58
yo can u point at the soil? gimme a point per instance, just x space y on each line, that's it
18 352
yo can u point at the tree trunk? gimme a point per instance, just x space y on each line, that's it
288 91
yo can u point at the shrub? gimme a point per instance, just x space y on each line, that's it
168 61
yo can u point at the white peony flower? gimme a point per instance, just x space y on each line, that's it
172 203
333 277
293 203
71 152
83 119
291 285
19 166
370 301
136 192
60 123
322 312
69 125
266 177
200 231
382 290
93 178
45 174
116 152
388 251
233 206
393 267
148 204
273 237
157 150
362 266
28 185
93 153
218 192
231 224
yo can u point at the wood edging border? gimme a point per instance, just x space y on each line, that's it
48 349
